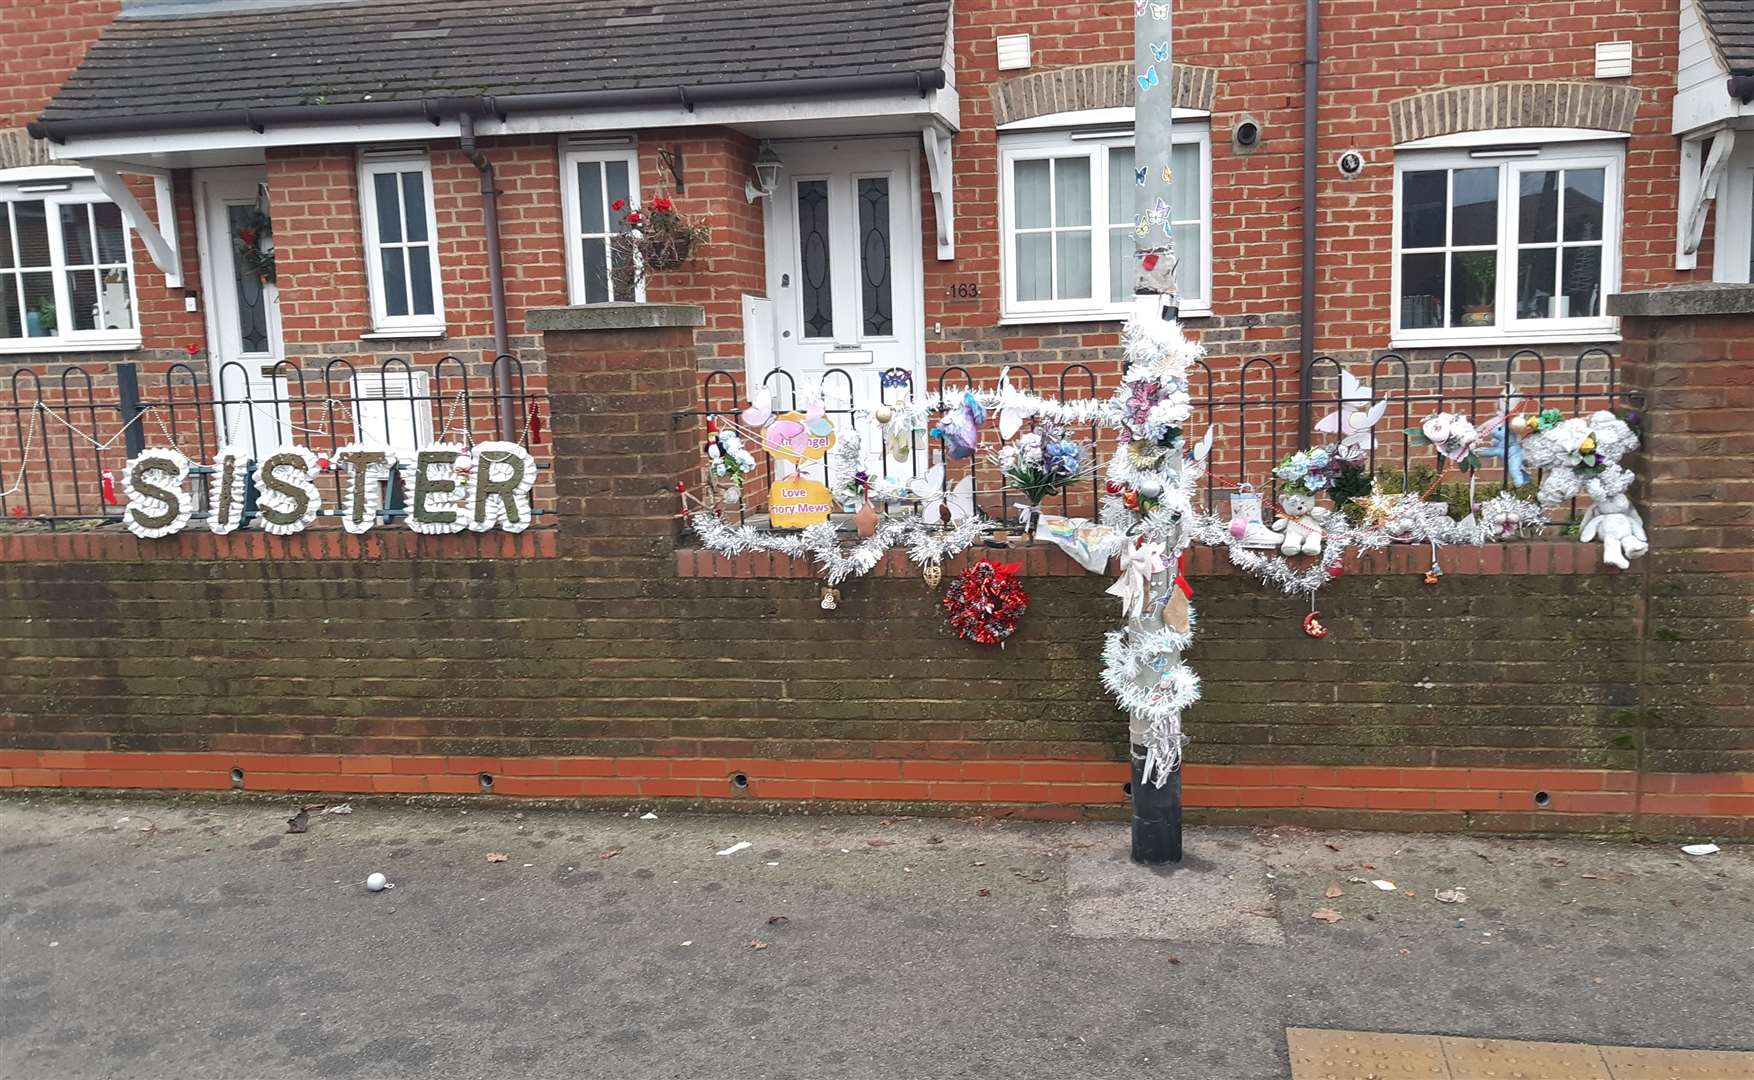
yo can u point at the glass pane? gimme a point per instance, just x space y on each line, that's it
389 209
1122 184
1537 207
1421 291
1423 197
112 235
1035 274
874 284
1475 202
1032 187
420 278
1072 265
40 317
1583 204
395 282
1534 283
1190 259
592 204
252 304
1072 191
414 204
33 233
615 185
594 258
1580 283
115 309
76 234
11 319
1185 197
6 239
814 287
1473 288
82 294
1121 264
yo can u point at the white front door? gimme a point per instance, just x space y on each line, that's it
243 311
844 270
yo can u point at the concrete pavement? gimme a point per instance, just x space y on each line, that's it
159 939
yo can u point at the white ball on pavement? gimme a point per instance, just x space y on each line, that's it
376 882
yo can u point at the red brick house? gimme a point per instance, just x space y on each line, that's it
949 185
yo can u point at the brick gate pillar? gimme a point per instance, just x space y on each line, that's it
617 376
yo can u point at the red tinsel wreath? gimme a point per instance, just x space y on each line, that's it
985 602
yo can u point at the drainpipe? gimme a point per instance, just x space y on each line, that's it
502 372
1307 316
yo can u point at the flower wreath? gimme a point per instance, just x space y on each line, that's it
985 602
248 240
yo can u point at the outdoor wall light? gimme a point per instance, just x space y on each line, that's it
767 174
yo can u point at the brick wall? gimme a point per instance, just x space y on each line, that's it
1530 689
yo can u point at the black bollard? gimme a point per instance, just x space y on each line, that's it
1157 816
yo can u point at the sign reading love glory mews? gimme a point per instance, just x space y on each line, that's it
450 488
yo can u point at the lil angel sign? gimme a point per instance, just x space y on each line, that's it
451 488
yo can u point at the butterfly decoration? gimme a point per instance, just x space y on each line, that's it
1142 227
1149 79
1357 416
1159 212
1168 175
938 505
1204 448
1139 7
895 378
1160 12
1010 418
760 409
1160 51
960 427
1140 173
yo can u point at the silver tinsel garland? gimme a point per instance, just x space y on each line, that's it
924 543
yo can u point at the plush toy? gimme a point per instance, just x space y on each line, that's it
1612 520
1301 522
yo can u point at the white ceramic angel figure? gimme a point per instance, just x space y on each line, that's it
1301 520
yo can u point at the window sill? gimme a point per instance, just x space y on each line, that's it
13 346
1036 318
1509 341
412 333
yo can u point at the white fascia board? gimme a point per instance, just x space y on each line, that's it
1118 117
909 110
1524 136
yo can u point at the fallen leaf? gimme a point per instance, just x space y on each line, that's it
610 854
1174 959
758 945
298 822
777 920
1334 891
879 843
1327 915
984 892
1366 866
497 856
934 839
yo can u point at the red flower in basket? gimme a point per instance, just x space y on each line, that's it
633 217
618 204
662 204
247 235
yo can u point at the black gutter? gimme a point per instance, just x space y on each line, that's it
1306 319
436 110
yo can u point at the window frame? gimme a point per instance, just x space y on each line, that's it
410 325
79 193
1509 329
1041 143
572 221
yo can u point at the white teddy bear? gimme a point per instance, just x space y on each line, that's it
1301 522
1612 519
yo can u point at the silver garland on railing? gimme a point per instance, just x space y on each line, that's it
925 543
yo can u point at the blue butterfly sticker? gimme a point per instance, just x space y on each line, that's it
1160 51
1139 174
1149 79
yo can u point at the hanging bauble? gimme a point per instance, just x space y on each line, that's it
933 573
985 602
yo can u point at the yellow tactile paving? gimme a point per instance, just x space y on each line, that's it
1496 1059
1634 1063
1368 1055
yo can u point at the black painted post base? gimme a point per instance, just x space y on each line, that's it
1157 816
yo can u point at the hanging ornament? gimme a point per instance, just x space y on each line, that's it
536 425
1312 624
109 479
985 602
1434 574
933 572
830 598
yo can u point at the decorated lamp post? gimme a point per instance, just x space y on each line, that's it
1157 809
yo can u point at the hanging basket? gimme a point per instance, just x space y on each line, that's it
665 252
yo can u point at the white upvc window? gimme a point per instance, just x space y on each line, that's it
594 181
1067 225
1506 244
401 246
66 269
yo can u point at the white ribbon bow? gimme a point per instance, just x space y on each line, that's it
1139 562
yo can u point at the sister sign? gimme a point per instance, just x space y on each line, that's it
451 488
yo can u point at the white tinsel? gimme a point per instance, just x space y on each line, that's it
925 543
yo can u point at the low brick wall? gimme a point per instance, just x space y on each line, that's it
1530 689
